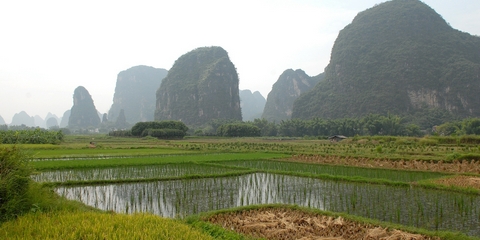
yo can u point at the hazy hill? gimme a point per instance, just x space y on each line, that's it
135 93
289 86
39 121
51 122
252 104
201 85
22 118
2 121
83 113
398 57
65 118
51 115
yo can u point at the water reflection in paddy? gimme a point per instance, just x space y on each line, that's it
426 208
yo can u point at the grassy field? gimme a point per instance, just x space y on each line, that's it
99 160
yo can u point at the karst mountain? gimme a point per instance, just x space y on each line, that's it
202 85
398 57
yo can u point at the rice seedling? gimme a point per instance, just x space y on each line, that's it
336 170
410 206
142 160
129 172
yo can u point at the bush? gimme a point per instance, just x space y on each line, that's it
120 133
238 130
164 133
139 128
14 183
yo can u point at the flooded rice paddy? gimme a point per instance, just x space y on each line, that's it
426 208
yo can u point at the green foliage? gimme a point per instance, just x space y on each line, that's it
373 124
14 183
120 133
238 130
164 133
31 136
468 126
267 128
140 127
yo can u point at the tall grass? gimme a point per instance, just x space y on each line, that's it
14 183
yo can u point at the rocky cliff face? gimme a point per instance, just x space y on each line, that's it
202 85
289 86
135 93
83 113
399 57
252 104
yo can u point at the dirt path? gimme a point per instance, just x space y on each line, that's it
284 223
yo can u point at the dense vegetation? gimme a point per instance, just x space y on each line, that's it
399 57
135 93
31 136
202 85
238 130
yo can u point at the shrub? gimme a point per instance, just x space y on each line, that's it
164 133
238 130
139 128
14 183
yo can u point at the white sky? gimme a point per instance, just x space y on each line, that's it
48 48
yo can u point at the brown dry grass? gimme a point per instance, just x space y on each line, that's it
284 223
460 181
440 166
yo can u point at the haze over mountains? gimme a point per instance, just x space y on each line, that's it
135 93
399 57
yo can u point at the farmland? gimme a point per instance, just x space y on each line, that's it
414 185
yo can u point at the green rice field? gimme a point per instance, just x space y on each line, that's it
182 178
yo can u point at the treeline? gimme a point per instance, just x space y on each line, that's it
373 124
469 126
370 125
158 129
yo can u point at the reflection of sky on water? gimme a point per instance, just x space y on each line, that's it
425 208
